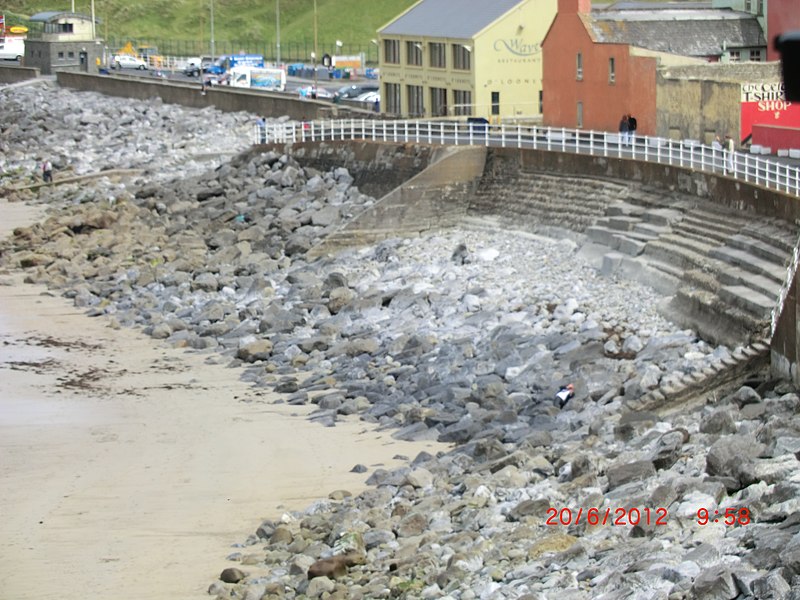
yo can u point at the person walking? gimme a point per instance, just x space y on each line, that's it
47 171
624 130
631 128
730 164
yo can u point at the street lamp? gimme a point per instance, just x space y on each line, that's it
213 49
314 54
278 32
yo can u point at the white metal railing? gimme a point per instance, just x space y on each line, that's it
784 293
683 153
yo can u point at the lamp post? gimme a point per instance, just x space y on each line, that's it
314 54
213 49
278 32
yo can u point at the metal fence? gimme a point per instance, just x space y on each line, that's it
754 169
291 51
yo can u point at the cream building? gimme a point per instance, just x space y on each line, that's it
465 57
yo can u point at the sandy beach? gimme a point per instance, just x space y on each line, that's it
128 469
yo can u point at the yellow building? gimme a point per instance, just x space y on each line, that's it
481 58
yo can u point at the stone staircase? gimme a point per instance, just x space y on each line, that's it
542 203
722 271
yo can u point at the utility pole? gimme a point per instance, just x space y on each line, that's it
213 49
278 28
316 51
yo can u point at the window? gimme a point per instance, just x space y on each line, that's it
438 102
495 103
612 74
71 54
760 5
438 56
541 101
391 51
416 101
748 5
735 56
755 55
579 66
414 54
580 115
462 102
392 95
462 57
60 55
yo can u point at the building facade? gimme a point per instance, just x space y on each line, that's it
448 58
602 64
62 40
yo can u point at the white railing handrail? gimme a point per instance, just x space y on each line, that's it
691 154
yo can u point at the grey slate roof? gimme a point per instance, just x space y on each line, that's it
690 32
51 15
448 18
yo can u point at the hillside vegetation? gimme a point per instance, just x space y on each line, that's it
178 25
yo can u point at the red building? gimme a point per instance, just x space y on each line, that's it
601 64
782 16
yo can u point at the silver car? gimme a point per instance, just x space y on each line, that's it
125 61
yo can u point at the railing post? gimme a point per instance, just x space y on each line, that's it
441 133
416 124
519 135
502 135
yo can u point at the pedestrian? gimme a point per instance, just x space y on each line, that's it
47 171
624 130
564 395
203 85
730 163
631 128
261 124
376 106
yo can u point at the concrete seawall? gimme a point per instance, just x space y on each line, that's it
15 74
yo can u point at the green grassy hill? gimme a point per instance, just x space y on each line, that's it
184 26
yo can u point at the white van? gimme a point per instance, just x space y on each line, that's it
12 48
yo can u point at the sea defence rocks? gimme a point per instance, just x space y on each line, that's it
462 336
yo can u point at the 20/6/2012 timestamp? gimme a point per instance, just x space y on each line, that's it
730 516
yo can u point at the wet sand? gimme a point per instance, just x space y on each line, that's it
128 469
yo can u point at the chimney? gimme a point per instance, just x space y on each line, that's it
566 7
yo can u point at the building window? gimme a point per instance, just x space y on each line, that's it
612 71
495 103
760 7
438 56
748 6
70 54
580 115
462 102
735 56
391 51
462 57
541 101
579 66
438 102
414 54
416 101
58 28
61 55
392 95
755 55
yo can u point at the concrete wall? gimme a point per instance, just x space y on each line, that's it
224 98
699 101
14 74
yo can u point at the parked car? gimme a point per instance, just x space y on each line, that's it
194 66
368 97
126 61
353 90
308 91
